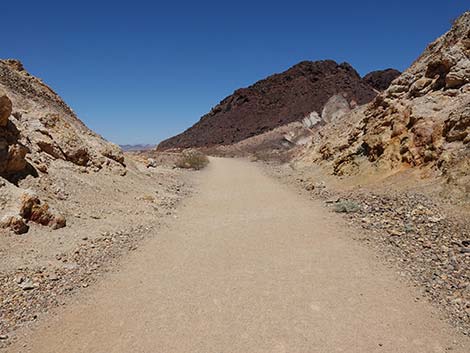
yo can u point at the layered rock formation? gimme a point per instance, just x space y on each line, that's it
275 101
50 129
422 119
37 129
12 151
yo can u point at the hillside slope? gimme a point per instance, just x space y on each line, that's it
47 123
421 120
275 101
39 133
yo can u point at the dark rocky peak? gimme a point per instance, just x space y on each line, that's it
381 79
275 101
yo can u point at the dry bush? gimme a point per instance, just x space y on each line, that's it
192 159
346 206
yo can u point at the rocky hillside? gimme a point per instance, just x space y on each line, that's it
38 130
275 101
421 120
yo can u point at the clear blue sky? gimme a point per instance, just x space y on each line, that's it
140 71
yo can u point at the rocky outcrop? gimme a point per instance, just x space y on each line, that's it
23 208
32 209
47 126
381 79
311 120
5 110
422 119
335 108
12 152
38 134
278 100
15 223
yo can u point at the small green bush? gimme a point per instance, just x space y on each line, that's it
346 206
192 159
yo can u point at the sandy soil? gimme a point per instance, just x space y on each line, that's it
410 221
247 266
107 214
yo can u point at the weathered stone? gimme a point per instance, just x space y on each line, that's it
5 110
48 146
151 163
15 64
459 74
28 285
42 167
15 223
311 120
16 161
398 129
58 222
438 70
423 132
33 210
419 85
76 154
336 107
457 127
113 152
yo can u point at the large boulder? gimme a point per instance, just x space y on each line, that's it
336 107
12 152
422 119
112 151
16 161
15 223
311 120
457 127
32 209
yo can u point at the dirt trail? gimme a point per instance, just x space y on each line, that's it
248 266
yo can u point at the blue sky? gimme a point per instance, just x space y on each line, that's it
141 71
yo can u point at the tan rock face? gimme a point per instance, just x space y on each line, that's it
16 158
423 118
5 110
12 152
58 222
335 108
15 223
32 209
418 87
113 152
14 64
457 127
48 126
47 145
39 133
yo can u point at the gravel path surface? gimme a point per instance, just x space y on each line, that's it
247 266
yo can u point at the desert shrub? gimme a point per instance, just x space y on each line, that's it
192 159
346 206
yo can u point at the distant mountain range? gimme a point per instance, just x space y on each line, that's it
138 147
